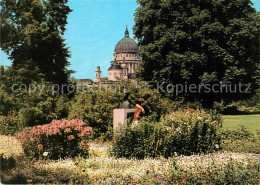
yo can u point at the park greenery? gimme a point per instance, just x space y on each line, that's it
32 36
185 140
199 42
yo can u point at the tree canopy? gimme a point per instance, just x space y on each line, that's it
32 35
199 42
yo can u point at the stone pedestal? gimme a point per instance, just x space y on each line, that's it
120 117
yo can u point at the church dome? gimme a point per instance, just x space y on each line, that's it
126 45
115 66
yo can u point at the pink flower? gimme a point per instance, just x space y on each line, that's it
78 128
67 130
56 131
80 134
71 137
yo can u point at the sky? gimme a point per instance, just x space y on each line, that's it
93 30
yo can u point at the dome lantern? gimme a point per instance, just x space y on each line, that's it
126 32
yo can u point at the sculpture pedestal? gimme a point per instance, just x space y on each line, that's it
120 117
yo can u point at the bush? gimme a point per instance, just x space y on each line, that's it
240 140
139 142
10 124
247 106
61 138
95 108
33 107
251 105
7 163
183 132
231 110
37 109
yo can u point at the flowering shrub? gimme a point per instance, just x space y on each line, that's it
61 138
183 132
192 132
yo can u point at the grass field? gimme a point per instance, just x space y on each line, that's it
251 122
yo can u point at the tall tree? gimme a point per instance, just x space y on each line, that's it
32 35
198 42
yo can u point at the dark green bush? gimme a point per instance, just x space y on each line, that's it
34 107
95 108
231 109
184 132
10 124
247 106
7 163
250 105
38 109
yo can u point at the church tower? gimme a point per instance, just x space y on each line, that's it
98 74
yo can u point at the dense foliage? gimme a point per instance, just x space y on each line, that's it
96 106
10 124
183 132
32 35
199 42
251 105
35 105
61 138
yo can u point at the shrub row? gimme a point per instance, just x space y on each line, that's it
94 106
183 132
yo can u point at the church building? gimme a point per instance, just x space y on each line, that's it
125 63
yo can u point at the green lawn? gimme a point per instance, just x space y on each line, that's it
251 122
